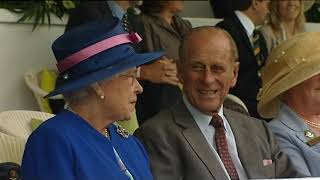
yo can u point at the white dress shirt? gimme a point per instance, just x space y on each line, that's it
203 122
246 23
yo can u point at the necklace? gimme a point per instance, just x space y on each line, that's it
312 124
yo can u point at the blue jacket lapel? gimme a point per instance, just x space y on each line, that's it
293 122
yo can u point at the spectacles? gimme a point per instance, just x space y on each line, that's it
131 74
200 68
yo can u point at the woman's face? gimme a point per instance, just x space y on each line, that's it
289 9
307 93
176 6
121 95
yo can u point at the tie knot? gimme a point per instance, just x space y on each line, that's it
255 36
216 121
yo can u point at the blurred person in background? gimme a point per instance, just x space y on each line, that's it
162 30
87 11
286 19
251 45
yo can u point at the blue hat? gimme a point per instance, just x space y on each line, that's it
93 52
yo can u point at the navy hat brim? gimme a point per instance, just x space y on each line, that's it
88 79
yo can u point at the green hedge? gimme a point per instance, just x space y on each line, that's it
313 14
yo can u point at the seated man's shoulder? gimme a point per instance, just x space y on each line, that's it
161 123
246 119
163 118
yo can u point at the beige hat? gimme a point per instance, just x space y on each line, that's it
307 4
289 64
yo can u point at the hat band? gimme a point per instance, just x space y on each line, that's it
96 48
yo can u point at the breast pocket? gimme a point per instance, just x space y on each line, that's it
269 170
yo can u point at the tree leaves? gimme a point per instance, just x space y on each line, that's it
39 11
313 14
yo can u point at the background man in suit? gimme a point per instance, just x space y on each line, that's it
197 138
221 8
251 46
87 11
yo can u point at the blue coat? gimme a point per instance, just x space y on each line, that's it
66 147
290 131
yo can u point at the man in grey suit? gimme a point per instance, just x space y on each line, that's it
186 141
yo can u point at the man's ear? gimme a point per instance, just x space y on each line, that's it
253 4
235 73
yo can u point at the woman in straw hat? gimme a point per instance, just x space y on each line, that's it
286 19
291 95
96 66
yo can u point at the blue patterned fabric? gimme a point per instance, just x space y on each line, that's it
66 147
290 131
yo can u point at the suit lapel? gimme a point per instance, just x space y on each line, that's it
294 122
242 34
197 141
250 159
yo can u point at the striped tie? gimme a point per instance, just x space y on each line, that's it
222 147
256 41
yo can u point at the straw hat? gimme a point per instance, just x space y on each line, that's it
291 63
307 4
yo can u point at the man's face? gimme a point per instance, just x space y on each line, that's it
121 94
208 71
262 10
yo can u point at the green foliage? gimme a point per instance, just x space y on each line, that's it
313 14
39 10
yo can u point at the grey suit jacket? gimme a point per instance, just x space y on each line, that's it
290 131
178 149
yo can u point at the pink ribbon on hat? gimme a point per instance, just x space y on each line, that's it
96 48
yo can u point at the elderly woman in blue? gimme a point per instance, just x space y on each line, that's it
97 77
291 95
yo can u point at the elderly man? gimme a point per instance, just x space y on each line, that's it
199 139
251 46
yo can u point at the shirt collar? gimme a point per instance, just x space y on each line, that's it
198 116
117 10
246 22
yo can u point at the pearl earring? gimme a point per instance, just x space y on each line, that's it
102 97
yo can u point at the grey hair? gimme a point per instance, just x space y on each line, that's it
79 95
184 41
